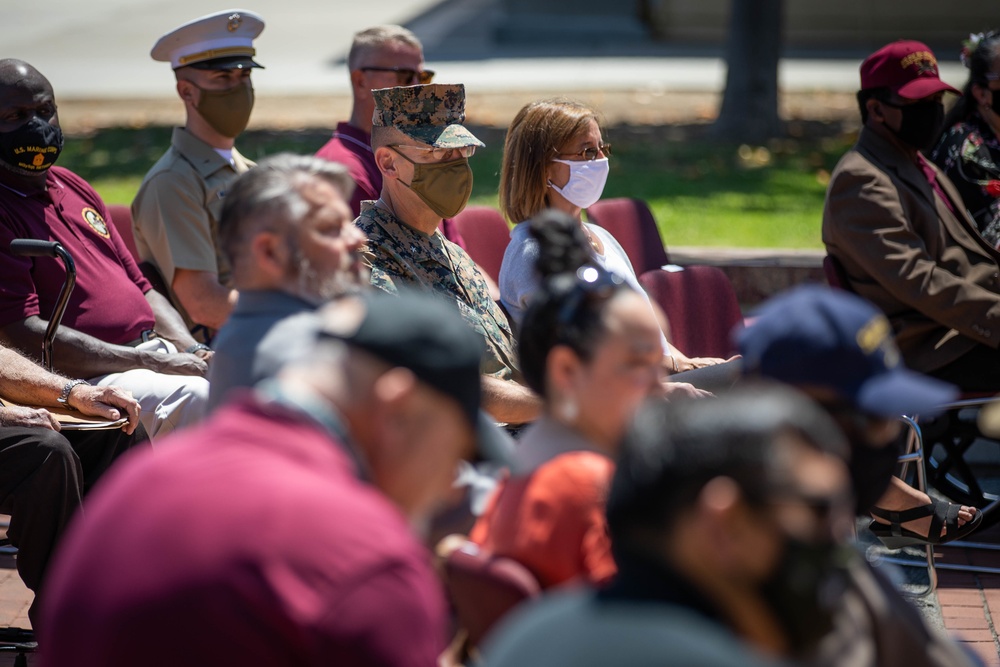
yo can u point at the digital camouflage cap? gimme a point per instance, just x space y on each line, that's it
432 114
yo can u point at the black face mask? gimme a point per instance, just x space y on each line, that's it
871 467
804 589
995 100
921 123
32 148
871 470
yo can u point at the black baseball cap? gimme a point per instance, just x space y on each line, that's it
426 335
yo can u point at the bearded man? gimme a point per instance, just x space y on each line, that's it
287 230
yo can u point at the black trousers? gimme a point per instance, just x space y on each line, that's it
712 378
43 477
978 370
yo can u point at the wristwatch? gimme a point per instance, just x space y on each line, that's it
64 396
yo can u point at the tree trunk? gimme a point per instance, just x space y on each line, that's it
749 112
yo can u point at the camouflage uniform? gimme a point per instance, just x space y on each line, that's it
399 255
432 114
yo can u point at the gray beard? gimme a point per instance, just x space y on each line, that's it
316 289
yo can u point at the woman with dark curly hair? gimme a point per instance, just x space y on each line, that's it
969 149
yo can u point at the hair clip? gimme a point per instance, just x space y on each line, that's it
969 46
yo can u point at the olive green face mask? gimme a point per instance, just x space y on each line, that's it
444 186
227 111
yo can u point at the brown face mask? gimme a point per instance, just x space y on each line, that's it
444 186
227 111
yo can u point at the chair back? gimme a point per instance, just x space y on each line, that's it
121 217
835 274
632 224
486 236
701 308
483 588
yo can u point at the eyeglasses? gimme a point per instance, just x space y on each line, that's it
438 154
404 75
589 154
592 283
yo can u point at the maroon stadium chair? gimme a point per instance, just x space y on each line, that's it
632 224
486 236
701 308
483 588
121 217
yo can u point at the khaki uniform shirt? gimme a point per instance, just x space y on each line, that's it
400 256
175 214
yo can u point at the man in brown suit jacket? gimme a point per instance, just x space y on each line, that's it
900 231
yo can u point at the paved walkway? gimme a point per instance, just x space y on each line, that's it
100 49
970 602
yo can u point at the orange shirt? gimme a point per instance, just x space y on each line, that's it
552 520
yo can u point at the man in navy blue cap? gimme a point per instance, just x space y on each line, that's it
838 349
176 211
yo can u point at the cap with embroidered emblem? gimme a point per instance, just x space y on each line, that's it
223 40
907 68
820 337
432 113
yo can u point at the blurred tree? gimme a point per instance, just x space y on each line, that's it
749 112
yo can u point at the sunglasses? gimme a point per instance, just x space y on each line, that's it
438 154
592 284
589 154
404 75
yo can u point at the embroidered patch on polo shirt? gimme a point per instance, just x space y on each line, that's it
96 222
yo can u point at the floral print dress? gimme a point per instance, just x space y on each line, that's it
969 153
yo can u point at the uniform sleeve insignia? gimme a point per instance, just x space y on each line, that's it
96 222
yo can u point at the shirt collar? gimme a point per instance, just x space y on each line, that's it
53 189
200 155
548 439
416 245
643 578
356 137
315 410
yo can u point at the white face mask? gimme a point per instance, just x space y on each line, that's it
586 181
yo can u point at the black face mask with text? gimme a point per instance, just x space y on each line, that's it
32 148
920 124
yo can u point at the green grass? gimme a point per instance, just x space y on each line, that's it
702 193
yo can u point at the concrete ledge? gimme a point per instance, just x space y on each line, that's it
756 273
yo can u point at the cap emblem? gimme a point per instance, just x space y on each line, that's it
234 22
875 335
96 222
925 61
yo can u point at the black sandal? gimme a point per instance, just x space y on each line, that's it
942 513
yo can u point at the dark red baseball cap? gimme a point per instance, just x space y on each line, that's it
907 68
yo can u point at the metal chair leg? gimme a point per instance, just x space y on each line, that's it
914 454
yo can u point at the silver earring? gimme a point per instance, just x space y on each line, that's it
569 411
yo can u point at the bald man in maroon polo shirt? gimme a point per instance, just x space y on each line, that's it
116 329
